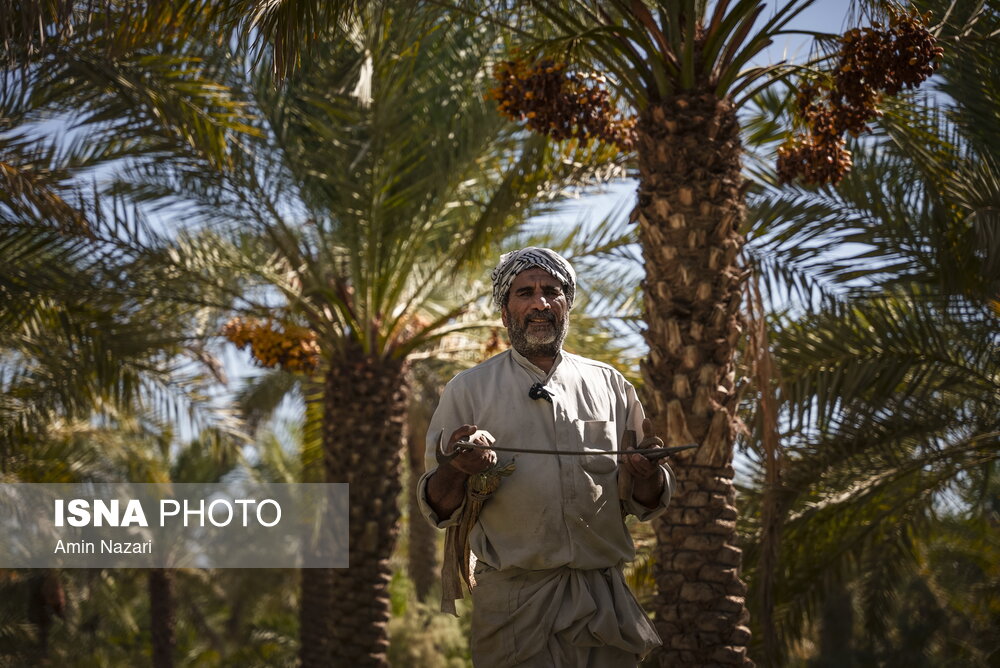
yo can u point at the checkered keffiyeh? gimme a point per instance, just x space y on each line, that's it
513 263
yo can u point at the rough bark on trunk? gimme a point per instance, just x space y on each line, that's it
162 616
344 613
689 212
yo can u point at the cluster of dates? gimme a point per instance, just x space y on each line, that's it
871 62
291 347
560 104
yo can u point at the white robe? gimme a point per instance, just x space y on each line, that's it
551 542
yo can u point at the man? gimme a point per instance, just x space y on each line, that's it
551 541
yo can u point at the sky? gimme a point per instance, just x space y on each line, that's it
821 16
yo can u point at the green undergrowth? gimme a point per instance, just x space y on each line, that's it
420 636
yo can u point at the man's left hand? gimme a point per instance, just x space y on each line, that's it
648 475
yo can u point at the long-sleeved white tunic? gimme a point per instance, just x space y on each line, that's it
552 512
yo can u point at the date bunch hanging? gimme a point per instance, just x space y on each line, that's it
872 62
561 104
291 347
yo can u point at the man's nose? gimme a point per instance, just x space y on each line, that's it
541 303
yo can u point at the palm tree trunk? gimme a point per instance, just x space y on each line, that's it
344 613
162 616
422 552
836 631
689 212
773 503
47 599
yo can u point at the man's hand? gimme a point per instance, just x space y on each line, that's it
471 462
446 486
647 474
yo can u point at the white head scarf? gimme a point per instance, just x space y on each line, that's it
513 263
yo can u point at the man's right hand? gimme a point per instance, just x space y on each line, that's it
471 462
446 486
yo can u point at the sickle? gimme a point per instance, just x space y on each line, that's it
651 454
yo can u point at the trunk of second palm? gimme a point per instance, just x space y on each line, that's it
344 613
162 616
422 554
46 600
689 213
836 630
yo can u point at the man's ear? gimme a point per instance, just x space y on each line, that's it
503 316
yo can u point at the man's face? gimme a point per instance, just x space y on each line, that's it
536 314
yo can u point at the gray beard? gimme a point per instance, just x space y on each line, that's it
530 344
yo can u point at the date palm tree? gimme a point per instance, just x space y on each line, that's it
887 370
128 95
683 68
80 360
134 85
76 353
380 172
